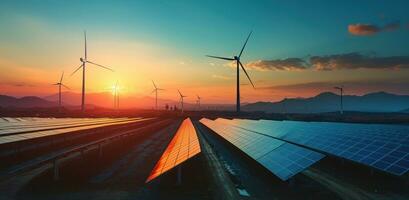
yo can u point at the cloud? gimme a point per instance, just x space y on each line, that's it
392 26
363 29
222 77
357 61
288 64
352 60
371 29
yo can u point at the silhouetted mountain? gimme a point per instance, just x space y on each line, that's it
330 102
106 99
24 102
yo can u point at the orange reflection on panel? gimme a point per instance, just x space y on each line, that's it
183 146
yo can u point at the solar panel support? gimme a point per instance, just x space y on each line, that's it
56 174
179 175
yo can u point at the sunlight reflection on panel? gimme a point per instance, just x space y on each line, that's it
183 146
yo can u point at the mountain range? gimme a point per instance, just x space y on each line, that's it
25 102
330 102
324 102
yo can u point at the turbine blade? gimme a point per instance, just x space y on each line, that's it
66 87
100 65
55 84
77 69
245 43
218 57
153 91
154 85
246 74
85 40
62 75
160 89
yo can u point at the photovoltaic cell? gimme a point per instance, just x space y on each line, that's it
384 147
281 158
183 146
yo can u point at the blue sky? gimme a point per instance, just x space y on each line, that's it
185 31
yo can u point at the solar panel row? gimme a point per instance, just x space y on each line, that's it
46 122
52 125
32 135
281 158
384 147
183 146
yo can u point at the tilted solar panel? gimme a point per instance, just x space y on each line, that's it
183 146
281 158
384 147
288 160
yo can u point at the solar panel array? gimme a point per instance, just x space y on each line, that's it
15 129
381 146
281 158
183 146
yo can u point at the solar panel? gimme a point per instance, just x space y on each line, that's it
281 158
384 147
183 146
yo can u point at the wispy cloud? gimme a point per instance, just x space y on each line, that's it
371 29
357 61
352 60
222 77
288 64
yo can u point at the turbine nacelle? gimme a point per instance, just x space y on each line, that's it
236 58
82 60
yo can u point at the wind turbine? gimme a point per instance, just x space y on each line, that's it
181 99
59 88
116 96
156 89
341 89
198 101
83 62
238 64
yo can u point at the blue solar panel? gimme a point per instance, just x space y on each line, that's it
288 160
384 147
281 158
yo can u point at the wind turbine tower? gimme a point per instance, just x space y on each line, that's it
198 101
116 96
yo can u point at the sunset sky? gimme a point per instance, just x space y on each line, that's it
298 49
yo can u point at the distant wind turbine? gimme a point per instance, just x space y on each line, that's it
83 62
198 101
238 64
59 88
341 90
181 99
156 89
116 96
